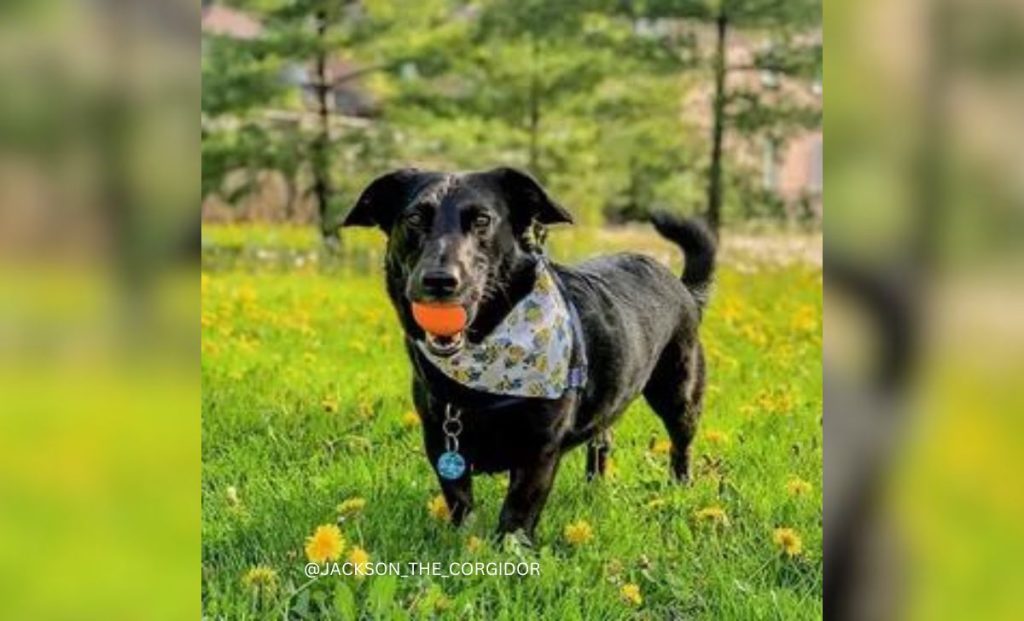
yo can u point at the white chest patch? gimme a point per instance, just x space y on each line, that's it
527 355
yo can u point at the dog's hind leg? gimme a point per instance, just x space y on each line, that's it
675 392
597 454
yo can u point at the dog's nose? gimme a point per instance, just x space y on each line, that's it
440 283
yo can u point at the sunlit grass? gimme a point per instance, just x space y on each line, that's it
306 403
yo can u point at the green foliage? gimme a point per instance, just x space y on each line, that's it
563 89
239 82
786 14
790 52
585 93
238 78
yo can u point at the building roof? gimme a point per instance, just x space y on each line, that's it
228 22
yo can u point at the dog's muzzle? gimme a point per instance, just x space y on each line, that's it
445 346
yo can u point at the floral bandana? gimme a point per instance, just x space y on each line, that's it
528 355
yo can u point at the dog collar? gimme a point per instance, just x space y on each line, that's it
529 354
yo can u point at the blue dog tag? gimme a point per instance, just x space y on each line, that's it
451 465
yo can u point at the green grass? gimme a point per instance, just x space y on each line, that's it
305 385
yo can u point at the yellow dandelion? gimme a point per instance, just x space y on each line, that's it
774 401
325 544
796 486
261 580
438 508
359 558
245 294
329 405
730 312
410 419
248 344
656 503
785 402
578 533
474 543
351 506
788 541
630 593
713 515
714 436
805 319
661 447
611 468
755 335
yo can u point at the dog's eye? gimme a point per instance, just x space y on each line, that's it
482 221
414 219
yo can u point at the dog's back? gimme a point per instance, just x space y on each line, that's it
640 322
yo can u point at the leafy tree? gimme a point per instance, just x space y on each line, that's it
239 81
535 84
587 94
788 56
645 153
303 39
305 36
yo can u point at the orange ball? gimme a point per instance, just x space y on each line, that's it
440 319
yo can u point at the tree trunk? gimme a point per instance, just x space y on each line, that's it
718 113
290 194
321 144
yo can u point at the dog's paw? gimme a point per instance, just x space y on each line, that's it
515 542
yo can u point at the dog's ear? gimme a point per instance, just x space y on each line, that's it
381 201
527 199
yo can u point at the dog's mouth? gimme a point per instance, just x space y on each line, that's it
445 345
445 335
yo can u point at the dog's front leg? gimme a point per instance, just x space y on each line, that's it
528 490
458 494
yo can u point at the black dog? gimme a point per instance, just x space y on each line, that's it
468 238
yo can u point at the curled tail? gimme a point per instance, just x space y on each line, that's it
698 247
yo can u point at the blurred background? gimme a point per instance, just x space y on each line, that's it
617 107
99 310
923 295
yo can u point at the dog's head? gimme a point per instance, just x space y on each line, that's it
453 238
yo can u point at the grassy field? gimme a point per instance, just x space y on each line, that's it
306 405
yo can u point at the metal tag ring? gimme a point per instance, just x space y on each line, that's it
452 426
